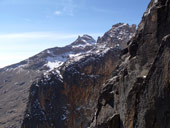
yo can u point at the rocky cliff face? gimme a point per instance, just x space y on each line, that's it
59 86
81 77
139 88
16 80
71 101
118 35
106 86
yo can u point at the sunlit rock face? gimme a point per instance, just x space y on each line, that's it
52 88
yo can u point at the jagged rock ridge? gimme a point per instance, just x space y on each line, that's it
22 83
118 35
82 77
109 87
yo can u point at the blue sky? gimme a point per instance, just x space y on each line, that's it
30 26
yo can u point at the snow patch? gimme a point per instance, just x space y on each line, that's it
144 77
80 46
37 85
56 61
48 51
147 12
63 117
155 1
53 65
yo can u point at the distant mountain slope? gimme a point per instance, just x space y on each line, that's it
19 80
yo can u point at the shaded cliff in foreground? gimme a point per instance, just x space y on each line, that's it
140 87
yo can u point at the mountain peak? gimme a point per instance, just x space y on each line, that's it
118 35
41 81
84 40
124 25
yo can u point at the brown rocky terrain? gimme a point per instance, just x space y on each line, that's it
37 92
106 87
73 101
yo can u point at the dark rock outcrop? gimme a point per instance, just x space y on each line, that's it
140 85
